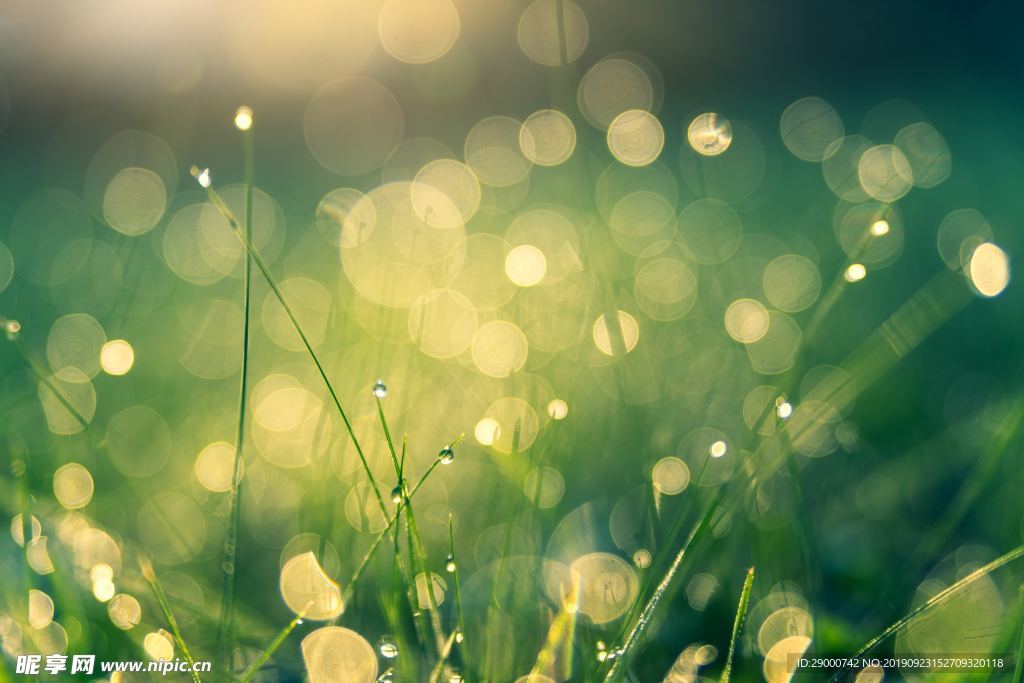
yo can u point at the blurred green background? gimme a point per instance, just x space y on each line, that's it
891 475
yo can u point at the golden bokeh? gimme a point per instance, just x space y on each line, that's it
159 645
525 265
746 320
809 127
635 137
308 591
547 137
135 201
338 655
492 150
989 270
72 486
418 31
885 173
117 357
499 348
124 611
627 334
215 465
709 134
540 38
445 194
608 586
613 86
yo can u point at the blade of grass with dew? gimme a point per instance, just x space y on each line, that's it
415 550
937 599
161 598
265 656
225 626
460 623
383 535
643 620
272 282
737 624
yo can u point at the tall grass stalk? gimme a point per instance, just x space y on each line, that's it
165 607
460 622
225 626
276 643
279 295
737 624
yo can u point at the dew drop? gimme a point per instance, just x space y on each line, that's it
380 390
446 455
388 647
450 564
202 176
396 494
12 328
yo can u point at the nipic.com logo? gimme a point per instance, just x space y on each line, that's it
35 665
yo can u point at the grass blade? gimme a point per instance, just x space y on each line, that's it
272 282
643 620
225 626
161 598
258 663
938 599
741 615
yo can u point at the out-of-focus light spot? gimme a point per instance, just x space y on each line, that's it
612 86
215 465
885 173
40 609
101 572
103 590
746 320
334 653
18 531
117 357
539 36
880 228
670 476
700 590
433 586
72 486
159 645
487 431
545 485
608 586
635 137
960 233
445 194
124 611
38 556
927 152
709 134
547 137
558 409
75 341
352 125
791 282
492 151
628 327
642 558
499 349
809 127
718 449
418 31
134 201
525 265
442 323
243 118
855 272
989 270
308 591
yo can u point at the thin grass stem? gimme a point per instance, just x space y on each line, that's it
737 624
165 607
276 643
